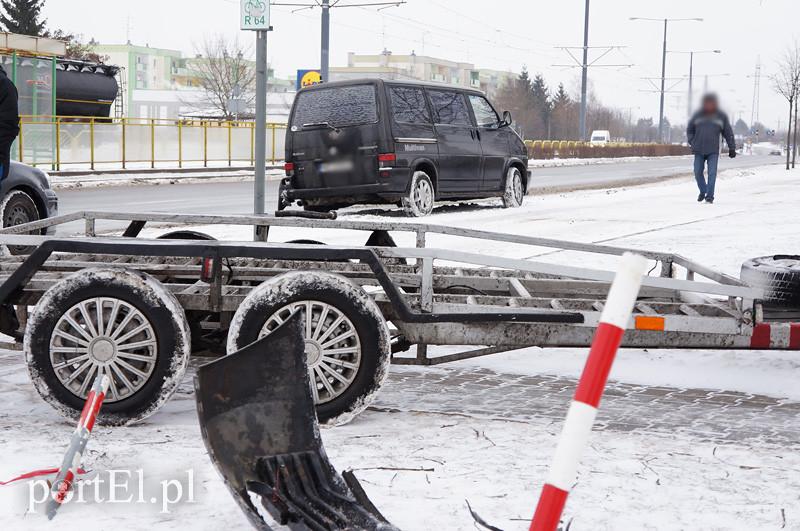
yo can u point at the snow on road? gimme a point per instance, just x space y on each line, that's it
419 466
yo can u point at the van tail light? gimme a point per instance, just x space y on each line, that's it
386 160
289 168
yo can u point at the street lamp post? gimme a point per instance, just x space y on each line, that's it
666 21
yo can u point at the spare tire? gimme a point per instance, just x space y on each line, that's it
778 275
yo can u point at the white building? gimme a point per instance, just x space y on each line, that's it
387 65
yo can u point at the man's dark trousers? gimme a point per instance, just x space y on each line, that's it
700 161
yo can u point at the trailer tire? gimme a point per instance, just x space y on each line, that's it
132 301
187 235
421 196
777 275
333 300
17 208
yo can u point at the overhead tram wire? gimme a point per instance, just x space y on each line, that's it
369 31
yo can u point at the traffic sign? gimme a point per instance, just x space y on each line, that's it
255 15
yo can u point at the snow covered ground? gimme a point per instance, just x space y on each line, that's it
420 464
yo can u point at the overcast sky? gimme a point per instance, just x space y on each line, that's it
500 34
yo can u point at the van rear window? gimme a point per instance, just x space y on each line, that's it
336 106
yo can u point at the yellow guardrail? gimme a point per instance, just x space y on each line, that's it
550 149
62 142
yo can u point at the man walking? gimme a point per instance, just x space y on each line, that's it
9 121
703 133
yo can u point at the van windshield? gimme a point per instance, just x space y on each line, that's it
336 107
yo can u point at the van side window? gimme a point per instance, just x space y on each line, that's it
450 107
485 115
409 106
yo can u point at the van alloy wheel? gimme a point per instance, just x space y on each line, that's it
421 196
514 193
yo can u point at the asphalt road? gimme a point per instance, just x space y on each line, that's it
237 197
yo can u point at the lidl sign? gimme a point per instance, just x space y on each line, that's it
306 78
255 14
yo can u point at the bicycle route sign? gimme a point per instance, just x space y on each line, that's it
255 15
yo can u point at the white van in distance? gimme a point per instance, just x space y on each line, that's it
600 137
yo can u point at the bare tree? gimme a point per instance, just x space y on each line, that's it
787 83
226 76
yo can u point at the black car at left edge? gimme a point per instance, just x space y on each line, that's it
25 196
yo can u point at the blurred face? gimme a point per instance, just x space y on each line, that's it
709 105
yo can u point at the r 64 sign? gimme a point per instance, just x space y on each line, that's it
255 14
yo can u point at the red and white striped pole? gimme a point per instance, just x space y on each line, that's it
580 417
70 467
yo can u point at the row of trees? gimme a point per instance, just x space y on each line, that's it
787 83
541 113
25 18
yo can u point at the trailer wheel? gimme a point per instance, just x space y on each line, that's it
778 275
18 208
421 196
118 322
514 193
347 341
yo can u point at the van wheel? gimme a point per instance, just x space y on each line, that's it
19 208
514 192
418 203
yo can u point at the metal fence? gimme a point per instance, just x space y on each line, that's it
64 142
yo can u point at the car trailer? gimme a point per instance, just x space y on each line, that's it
135 308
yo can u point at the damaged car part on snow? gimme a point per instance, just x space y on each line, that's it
256 412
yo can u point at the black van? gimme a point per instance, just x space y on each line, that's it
411 143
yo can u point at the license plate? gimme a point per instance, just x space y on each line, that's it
337 166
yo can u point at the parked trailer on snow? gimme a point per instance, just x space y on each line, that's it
135 308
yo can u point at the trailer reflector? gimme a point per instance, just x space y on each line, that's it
761 336
649 322
207 270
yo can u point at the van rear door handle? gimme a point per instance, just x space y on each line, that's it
472 134
478 133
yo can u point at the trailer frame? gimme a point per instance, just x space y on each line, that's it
492 303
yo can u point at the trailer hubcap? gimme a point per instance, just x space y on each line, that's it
103 335
332 346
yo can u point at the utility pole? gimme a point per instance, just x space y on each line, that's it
261 122
254 16
666 22
324 62
584 73
325 34
663 80
691 80
691 54
754 111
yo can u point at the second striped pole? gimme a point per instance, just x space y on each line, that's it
580 417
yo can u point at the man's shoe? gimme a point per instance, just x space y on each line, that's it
700 198
710 200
